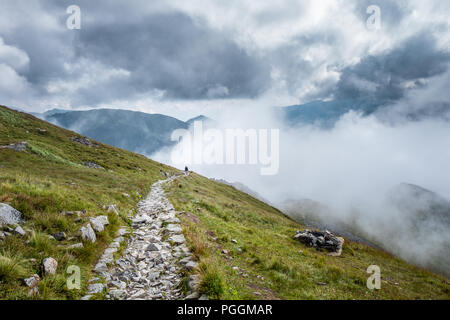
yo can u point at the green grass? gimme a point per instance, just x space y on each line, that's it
266 263
48 178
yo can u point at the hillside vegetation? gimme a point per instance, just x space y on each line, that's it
50 177
246 251
244 246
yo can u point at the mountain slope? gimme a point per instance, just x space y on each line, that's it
135 131
50 177
246 251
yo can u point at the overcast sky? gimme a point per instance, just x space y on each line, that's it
184 58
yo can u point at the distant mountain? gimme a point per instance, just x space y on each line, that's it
135 131
421 205
199 118
325 113
49 113
413 224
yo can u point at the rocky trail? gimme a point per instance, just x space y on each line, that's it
156 254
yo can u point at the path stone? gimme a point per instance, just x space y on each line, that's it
148 269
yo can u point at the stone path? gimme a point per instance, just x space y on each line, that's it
156 254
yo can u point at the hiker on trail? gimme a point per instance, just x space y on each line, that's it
186 171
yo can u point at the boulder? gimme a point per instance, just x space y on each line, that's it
9 215
88 234
49 266
321 240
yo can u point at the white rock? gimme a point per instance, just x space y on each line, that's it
153 247
9 215
95 288
19 231
179 238
191 265
99 223
49 266
88 234
75 246
114 245
117 294
174 228
32 281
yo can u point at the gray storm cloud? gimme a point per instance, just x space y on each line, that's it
251 55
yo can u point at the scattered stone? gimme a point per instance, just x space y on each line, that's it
95 288
49 266
9 215
114 245
203 297
75 246
112 208
93 165
191 265
19 147
117 294
193 296
119 239
88 234
60 236
19 231
173 228
321 240
100 267
83 140
99 223
87 297
179 238
122 231
148 268
32 281
234 240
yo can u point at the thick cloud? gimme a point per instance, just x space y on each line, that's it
170 52
387 76
129 51
216 53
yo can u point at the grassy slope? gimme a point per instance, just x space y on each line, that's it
265 248
48 178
